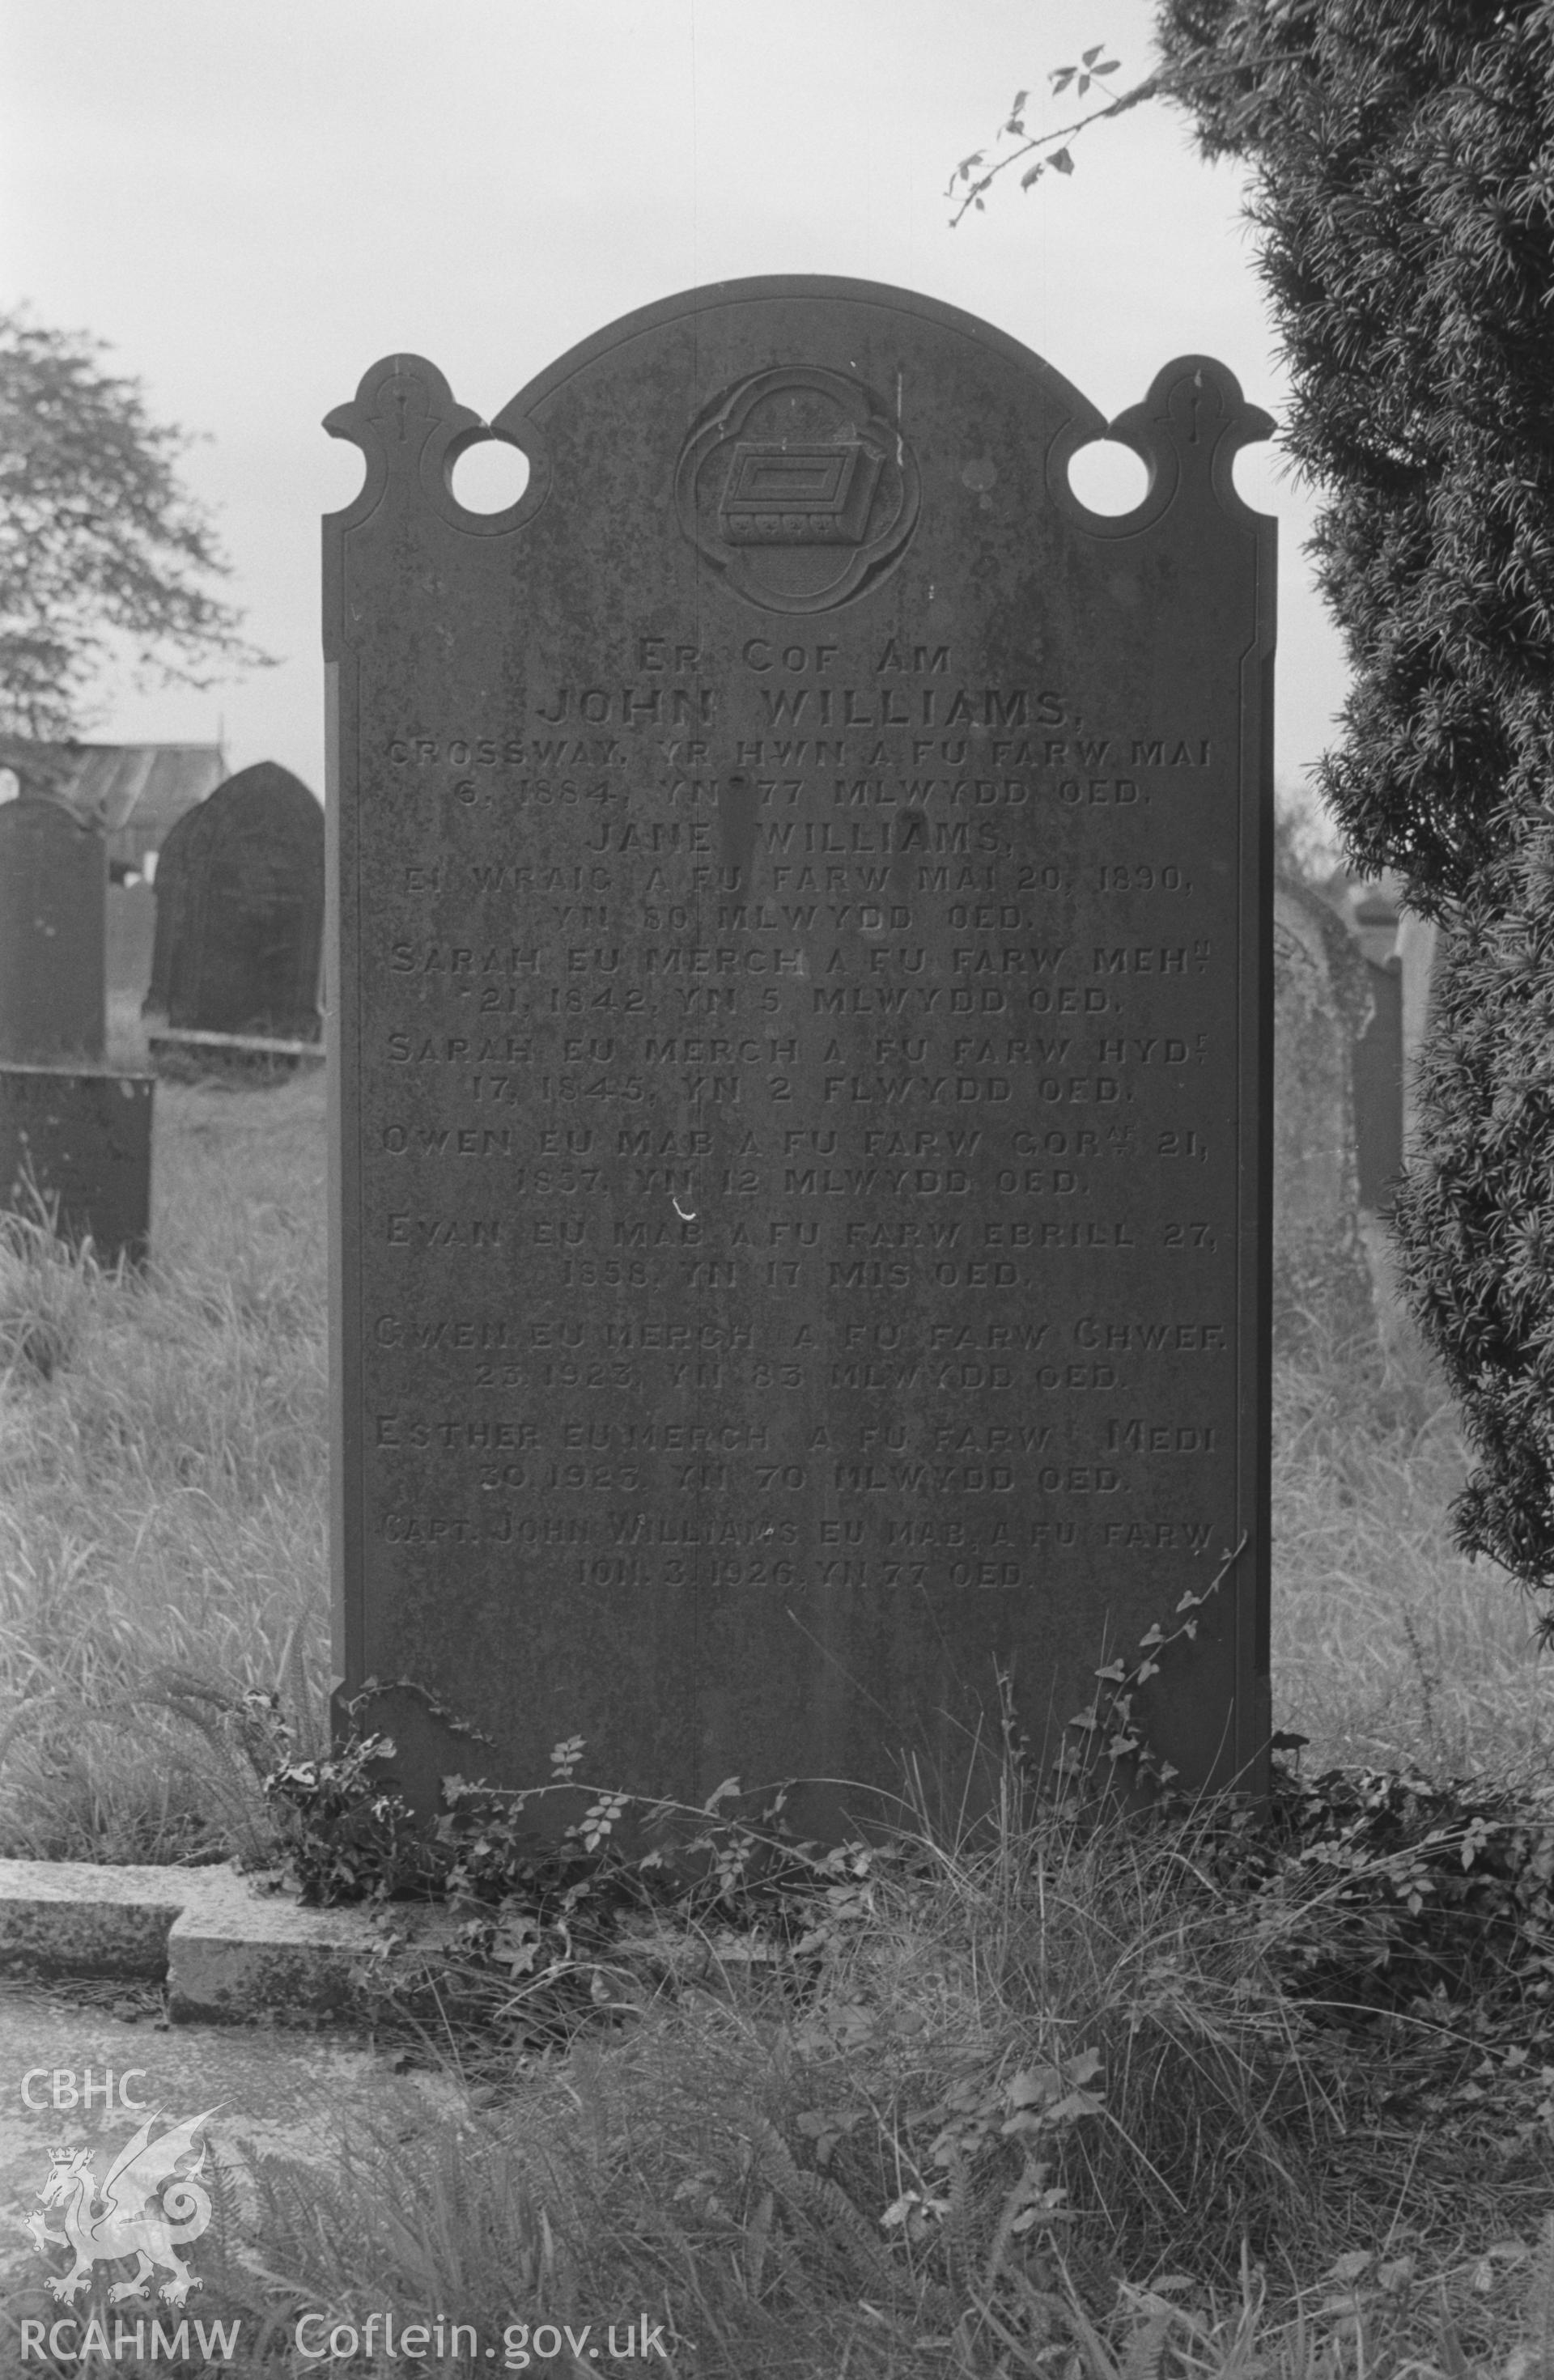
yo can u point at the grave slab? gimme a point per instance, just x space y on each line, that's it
227 1949
803 982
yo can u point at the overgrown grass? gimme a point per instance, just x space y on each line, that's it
162 1456
1388 1646
1049 2101
1044 2101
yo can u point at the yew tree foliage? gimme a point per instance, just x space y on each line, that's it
1403 153
1403 156
101 547
1477 1215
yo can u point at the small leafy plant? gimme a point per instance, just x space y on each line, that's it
348 1836
558 1913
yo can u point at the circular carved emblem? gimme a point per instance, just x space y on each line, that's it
798 489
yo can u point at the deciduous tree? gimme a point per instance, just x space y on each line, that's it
103 550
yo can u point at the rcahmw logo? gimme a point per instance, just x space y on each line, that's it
143 2208
68 2341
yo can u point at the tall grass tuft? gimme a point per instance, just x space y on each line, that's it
1038 2102
163 1451
1390 1647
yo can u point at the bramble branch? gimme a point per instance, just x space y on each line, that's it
1088 71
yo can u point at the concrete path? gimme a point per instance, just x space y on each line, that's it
274 2093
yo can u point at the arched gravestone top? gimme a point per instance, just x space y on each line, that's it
240 910
54 888
800 1237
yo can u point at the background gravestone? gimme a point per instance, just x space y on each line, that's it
801 1227
1374 914
1379 1088
1420 945
1321 1275
53 877
239 911
178 863
81 1142
131 794
132 938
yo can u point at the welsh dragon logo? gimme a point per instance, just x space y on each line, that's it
126 2217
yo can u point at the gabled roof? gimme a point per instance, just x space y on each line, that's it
148 785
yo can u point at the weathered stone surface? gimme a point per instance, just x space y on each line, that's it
83 1142
804 1014
69 1917
229 1947
53 882
240 910
1321 1277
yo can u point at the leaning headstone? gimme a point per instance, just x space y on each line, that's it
239 911
803 1008
1379 1088
1321 1276
54 879
76 1150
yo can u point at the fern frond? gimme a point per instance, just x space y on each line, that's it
1145 2349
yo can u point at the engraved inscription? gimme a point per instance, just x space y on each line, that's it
845 975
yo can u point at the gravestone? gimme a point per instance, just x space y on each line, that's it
239 911
53 880
132 938
178 862
81 1142
1321 1276
1420 947
803 998
1379 1088
1375 920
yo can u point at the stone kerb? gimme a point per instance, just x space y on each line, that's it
227 1949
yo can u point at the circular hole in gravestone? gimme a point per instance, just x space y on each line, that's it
490 477
1108 477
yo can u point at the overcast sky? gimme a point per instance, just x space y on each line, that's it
254 199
